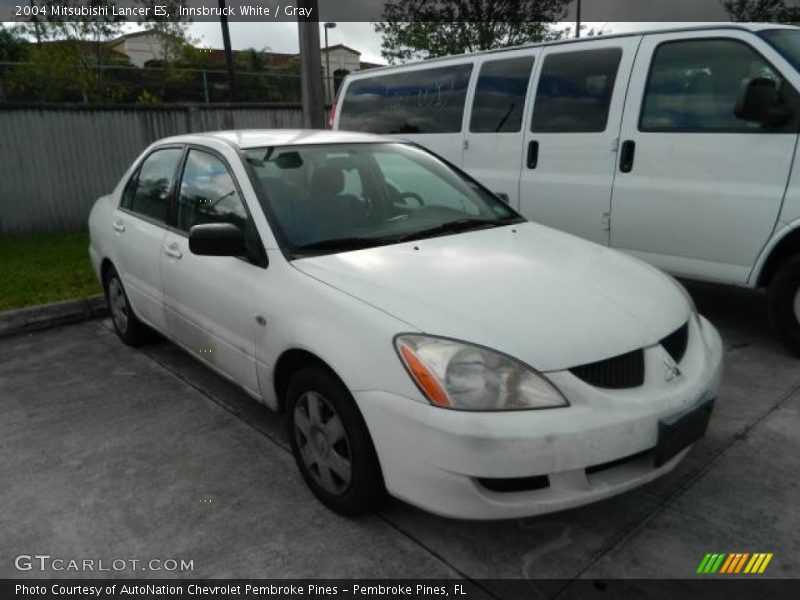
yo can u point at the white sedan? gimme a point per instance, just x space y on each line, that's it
422 337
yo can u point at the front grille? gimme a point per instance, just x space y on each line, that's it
619 372
675 343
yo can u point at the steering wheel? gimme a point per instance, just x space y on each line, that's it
413 196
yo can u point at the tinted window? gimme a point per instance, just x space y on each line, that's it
427 101
417 187
323 199
575 90
208 194
500 95
148 191
694 86
785 41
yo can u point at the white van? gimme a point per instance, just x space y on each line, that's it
677 146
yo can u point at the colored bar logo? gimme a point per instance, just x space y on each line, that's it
734 563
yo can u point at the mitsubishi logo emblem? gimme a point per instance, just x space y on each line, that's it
671 370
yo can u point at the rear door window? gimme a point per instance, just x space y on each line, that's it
500 95
575 90
421 101
147 193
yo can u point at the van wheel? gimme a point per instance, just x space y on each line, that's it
784 303
331 444
128 327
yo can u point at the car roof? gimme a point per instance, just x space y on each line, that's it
255 138
751 27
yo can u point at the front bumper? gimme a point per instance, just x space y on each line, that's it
595 448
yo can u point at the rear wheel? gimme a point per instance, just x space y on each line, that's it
784 303
128 327
331 444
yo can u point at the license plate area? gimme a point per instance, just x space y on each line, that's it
679 431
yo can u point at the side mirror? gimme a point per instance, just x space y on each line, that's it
217 239
759 103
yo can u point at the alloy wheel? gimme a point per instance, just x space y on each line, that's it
323 443
118 304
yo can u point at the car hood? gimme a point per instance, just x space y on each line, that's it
547 298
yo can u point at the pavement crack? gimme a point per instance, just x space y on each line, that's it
680 489
436 555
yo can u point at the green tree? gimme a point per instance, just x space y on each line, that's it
418 29
72 62
172 30
13 47
252 60
753 11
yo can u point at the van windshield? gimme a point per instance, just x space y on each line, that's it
785 41
324 199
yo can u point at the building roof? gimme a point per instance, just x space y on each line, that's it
342 47
125 36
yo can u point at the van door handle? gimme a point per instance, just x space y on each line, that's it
173 251
118 226
533 154
626 156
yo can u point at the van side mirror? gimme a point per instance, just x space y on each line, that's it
217 239
759 103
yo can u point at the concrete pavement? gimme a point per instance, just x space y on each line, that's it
110 452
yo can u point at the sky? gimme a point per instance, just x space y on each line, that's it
282 37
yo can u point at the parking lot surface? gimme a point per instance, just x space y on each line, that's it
110 452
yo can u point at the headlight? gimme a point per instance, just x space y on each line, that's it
462 376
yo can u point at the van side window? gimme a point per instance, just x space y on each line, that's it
423 101
500 95
147 192
694 85
575 90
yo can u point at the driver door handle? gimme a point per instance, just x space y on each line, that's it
173 251
118 226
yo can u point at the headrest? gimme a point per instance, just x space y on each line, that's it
328 181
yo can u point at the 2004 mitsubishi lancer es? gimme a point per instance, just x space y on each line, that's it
421 336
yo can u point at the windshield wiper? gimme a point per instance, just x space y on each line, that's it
341 244
455 227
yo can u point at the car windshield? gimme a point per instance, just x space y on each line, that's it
332 198
785 41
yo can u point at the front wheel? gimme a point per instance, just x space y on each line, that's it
784 303
331 444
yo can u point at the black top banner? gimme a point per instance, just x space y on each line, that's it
375 10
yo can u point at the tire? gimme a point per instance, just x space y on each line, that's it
128 327
784 304
331 443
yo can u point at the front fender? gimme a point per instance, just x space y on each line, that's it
352 337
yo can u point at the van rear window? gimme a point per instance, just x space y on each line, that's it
423 101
